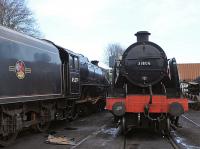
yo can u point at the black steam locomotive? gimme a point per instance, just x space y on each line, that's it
146 90
41 82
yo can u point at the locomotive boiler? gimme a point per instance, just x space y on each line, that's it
145 85
41 82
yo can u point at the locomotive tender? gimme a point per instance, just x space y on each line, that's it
146 89
41 82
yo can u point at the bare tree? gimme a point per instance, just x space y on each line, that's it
113 51
16 15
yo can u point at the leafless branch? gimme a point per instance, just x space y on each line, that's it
114 49
16 15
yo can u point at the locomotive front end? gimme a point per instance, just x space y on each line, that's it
146 89
144 63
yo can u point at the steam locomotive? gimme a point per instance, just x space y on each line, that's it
146 90
41 82
191 90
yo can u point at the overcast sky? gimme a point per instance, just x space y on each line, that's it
88 26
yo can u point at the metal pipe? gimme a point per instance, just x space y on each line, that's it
151 93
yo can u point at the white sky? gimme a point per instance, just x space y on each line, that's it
88 26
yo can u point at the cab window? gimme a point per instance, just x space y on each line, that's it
76 64
71 62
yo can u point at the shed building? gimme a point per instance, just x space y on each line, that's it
189 71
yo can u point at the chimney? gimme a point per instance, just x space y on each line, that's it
142 36
95 62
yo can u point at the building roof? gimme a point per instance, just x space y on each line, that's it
188 71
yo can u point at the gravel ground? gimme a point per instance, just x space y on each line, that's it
189 135
79 130
98 131
93 132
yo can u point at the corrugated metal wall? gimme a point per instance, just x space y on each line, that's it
189 71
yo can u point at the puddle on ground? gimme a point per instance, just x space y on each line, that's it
82 120
111 131
182 141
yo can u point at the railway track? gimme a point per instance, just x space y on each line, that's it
164 142
172 142
183 139
191 121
